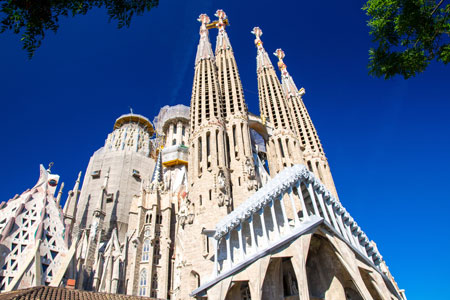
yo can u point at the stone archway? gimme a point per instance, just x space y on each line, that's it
327 278
194 280
370 284
280 281
239 290
352 294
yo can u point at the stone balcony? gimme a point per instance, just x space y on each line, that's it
288 206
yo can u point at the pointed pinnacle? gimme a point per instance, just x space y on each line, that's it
58 198
50 165
204 19
280 54
222 16
257 32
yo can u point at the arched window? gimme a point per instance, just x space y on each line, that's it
194 279
158 219
143 283
148 218
146 250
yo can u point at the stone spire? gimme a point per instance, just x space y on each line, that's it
272 101
207 157
158 172
157 176
204 49
283 147
206 102
262 58
238 135
209 175
228 74
289 87
70 207
313 153
222 40
58 198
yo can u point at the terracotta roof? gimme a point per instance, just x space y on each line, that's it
60 293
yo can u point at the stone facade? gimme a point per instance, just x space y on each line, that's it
125 158
208 202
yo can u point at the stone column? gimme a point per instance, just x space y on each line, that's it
241 246
170 135
252 234
263 225
313 198
246 134
341 225
274 218
216 254
333 216
302 201
229 258
179 131
322 206
283 209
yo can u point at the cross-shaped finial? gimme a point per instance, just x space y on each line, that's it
257 32
204 19
50 165
221 15
279 53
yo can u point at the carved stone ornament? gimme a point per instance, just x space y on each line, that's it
135 242
182 214
186 213
252 185
249 169
273 190
220 200
221 182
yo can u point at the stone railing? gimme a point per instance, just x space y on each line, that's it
265 222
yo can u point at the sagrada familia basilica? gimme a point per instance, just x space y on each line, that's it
207 202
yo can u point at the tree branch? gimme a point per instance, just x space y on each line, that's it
436 7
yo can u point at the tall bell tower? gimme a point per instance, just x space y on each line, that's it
209 188
240 158
283 147
313 153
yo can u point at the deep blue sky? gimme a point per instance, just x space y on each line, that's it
387 141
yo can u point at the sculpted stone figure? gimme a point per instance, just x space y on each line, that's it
220 200
249 168
221 181
186 212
